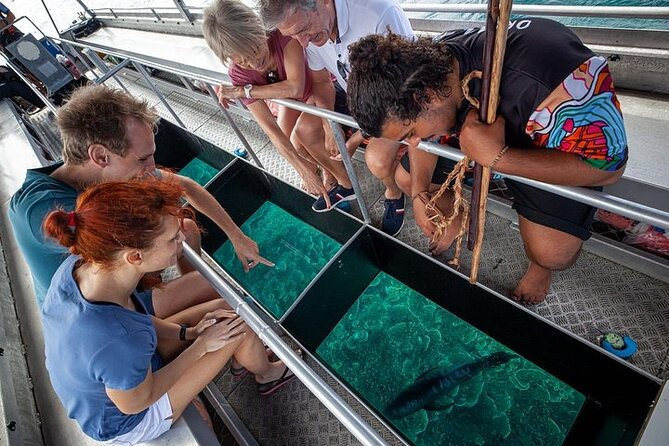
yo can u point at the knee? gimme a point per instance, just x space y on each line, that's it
554 259
379 165
308 131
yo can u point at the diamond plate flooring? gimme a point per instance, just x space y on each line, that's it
593 294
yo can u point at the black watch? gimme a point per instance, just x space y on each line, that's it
182 332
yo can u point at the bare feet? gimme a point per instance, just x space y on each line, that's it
440 246
533 287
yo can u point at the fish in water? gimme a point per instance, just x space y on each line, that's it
435 384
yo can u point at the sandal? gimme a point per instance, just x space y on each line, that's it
238 373
272 386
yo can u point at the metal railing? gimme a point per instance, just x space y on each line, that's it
333 402
601 200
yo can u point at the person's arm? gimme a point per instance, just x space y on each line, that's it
483 143
291 88
203 201
264 117
155 385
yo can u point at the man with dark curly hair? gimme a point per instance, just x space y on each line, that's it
559 121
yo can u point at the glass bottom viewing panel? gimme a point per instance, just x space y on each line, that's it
298 250
199 171
438 380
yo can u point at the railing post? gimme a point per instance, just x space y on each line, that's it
232 123
348 164
93 57
85 8
157 92
183 10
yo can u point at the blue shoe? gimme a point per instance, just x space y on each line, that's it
337 195
241 152
393 216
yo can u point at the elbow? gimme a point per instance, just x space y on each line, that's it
612 177
132 408
296 91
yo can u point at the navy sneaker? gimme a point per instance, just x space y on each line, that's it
393 216
337 195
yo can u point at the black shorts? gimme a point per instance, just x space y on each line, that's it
341 106
537 205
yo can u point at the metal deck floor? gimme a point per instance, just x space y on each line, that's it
593 294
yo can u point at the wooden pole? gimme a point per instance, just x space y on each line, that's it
497 24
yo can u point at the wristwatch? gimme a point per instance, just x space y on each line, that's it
247 90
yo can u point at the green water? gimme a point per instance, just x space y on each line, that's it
392 334
199 171
298 250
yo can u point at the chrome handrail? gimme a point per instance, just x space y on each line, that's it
648 12
601 200
654 12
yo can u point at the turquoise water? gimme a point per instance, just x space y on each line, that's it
199 171
392 334
596 22
298 250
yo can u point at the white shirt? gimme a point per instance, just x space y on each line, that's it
355 20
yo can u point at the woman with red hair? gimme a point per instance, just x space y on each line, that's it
105 353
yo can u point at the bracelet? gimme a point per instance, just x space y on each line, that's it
499 155
182 332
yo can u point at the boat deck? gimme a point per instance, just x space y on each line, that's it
596 293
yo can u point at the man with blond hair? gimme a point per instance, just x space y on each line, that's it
325 28
109 136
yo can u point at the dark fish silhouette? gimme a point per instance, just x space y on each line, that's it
433 385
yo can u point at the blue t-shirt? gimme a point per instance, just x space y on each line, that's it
91 346
38 196
4 9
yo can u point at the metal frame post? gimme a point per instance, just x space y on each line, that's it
157 92
102 66
232 123
112 72
348 164
183 10
85 8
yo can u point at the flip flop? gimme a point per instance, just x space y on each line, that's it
272 386
238 373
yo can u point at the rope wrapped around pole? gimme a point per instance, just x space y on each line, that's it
497 25
473 216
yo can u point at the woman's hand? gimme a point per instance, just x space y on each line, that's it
210 319
227 92
247 252
218 335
